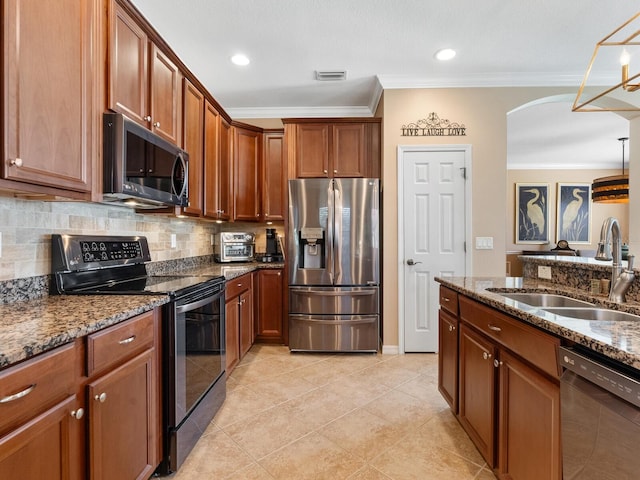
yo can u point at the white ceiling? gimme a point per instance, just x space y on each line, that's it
387 44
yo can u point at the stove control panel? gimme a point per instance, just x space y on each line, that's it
109 250
75 253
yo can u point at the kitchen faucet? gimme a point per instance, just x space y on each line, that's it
621 279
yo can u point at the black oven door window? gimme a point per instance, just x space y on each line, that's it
200 344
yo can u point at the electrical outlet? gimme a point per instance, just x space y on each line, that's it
174 242
212 238
544 272
0 244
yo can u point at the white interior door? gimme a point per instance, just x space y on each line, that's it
432 235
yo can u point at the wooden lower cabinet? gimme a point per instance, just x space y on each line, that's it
448 358
269 307
509 403
47 446
528 421
122 412
477 391
239 319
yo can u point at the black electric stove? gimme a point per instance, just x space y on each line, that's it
193 327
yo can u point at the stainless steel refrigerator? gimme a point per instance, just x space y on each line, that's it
334 265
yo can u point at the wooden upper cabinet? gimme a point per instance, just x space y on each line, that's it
274 178
334 148
144 84
50 116
211 161
193 114
312 151
225 158
246 174
166 96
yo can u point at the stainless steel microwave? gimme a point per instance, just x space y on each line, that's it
141 170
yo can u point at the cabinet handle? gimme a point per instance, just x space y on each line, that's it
16 396
445 299
486 355
127 340
494 328
451 328
101 398
147 118
78 414
16 162
156 124
496 363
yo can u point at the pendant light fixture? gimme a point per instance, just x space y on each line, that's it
612 189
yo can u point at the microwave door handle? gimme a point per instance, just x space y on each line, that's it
185 168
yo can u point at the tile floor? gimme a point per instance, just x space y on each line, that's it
342 416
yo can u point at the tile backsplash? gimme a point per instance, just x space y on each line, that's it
26 227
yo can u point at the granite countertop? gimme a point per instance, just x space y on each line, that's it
30 327
35 326
619 340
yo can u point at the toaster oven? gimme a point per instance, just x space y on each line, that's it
234 247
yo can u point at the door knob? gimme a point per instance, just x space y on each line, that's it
411 262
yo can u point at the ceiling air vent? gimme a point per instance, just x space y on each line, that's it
331 75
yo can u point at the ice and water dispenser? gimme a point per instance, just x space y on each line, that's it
312 248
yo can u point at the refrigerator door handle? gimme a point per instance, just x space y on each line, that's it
337 233
330 262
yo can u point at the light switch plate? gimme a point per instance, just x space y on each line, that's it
544 272
484 243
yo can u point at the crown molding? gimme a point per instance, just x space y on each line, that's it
301 112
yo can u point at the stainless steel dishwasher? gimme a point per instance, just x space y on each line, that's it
600 412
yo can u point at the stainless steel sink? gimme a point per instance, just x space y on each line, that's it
545 300
602 314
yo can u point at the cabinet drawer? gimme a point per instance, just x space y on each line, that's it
536 347
449 300
29 388
115 344
238 285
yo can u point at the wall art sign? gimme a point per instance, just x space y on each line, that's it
574 212
434 126
532 213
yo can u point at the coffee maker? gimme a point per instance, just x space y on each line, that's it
273 252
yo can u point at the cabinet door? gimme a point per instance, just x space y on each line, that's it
270 307
448 358
246 321
274 177
122 421
49 116
128 66
529 422
226 171
246 174
477 391
49 446
312 150
348 150
166 96
211 162
194 144
232 315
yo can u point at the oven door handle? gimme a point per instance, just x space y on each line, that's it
194 305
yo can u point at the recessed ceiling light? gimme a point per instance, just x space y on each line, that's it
240 59
445 54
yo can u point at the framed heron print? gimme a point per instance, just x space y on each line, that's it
532 213
573 221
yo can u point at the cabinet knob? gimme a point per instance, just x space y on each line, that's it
150 170
156 124
451 328
16 162
324 171
101 398
486 355
147 118
279 274
142 170
78 414
496 363
335 171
